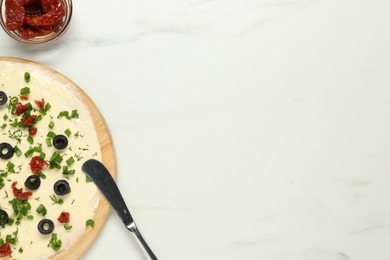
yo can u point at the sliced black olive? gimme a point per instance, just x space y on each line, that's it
3 218
45 226
60 142
3 98
33 182
61 187
6 151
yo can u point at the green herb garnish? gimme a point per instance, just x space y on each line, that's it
27 77
56 200
68 132
12 239
70 161
73 114
90 223
66 171
54 242
41 210
55 161
68 227
21 208
25 91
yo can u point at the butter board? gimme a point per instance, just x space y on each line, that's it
107 154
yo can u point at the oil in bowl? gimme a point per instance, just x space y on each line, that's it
35 22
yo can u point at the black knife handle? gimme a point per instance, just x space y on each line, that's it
107 186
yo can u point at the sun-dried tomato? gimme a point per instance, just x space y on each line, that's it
49 18
36 164
18 193
30 32
32 131
48 5
20 108
29 121
5 250
40 104
33 18
64 217
33 7
14 13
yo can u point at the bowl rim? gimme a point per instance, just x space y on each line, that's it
42 40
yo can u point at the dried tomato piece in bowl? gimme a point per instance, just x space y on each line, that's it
52 15
28 32
14 13
33 18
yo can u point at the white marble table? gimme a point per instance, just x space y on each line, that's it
252 129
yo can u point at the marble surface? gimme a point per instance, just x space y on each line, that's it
252 129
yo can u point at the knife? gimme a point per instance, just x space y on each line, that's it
102 178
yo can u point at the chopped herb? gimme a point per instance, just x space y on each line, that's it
42 156
70 161
68 132
20 250
56 200
11 167
77 135
78 157
66 171
51 134
41 175
30 139
55 161
87 179
73 114
63 114
49 142
15 134
38 148
90 223
44 110
25 91
29 152
27 77
12 239
13 102
41 210
21 208
17 151
51 124
54 242
68 227
10 221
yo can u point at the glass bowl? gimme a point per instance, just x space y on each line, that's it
58 29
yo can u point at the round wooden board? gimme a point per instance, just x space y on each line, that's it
108 158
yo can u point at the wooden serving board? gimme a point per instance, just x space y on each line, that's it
108 158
